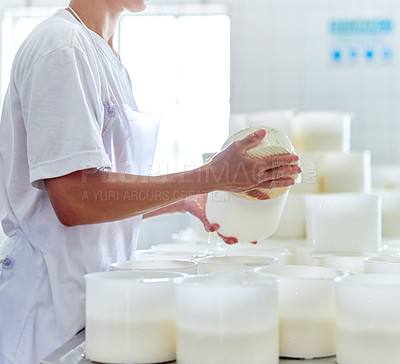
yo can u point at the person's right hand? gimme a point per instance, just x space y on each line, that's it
233 170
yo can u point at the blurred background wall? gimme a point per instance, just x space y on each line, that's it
304 55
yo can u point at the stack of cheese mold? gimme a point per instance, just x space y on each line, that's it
339 222
332 208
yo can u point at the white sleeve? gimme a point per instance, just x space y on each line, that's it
63 115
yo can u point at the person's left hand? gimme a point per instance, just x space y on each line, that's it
196 205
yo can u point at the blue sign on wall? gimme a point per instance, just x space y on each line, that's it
361 40
364 27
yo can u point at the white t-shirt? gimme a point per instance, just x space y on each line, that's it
51 125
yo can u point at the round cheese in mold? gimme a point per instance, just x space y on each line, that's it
274 142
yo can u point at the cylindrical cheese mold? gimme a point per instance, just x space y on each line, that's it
385 176
305 255
306 309
263 248
321 131
344 223
247 220
130 317
368 319
352 263
293 220
244 217
390 212
224 319
345 172
382 264
172 265
232 264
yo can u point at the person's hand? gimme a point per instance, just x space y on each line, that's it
233 170
196 206
231 240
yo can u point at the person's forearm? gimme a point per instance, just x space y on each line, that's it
88 198
102 196
169 209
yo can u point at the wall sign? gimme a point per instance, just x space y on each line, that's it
361 40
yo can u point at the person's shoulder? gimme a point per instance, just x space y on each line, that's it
57 32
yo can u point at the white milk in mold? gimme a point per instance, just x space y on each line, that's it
130 342
307 338
258 347
367 346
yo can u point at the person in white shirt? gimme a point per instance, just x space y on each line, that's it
74 184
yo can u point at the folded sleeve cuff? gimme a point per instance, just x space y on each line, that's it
72 163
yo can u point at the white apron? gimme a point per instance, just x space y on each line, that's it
42 282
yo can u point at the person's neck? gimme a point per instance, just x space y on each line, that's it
99 16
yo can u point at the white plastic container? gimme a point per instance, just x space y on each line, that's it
288 244
325 131
246 220
382 264
344 224
368 319
386 176
345 172
351 263
171 265
244 217
391 246
150 254
190 247
224 319
306 309
390 212
263 248
304 255
130 317
232 264
293 221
